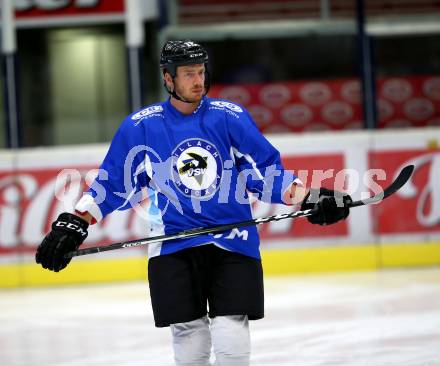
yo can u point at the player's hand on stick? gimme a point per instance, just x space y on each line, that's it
331 206
67 234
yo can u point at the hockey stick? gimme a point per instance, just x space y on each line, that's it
401 179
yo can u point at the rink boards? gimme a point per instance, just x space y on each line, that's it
276 262
403 231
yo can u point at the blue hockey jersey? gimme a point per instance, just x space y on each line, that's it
198 170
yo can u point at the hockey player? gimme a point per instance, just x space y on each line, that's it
200 157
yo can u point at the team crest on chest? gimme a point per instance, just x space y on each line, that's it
197 168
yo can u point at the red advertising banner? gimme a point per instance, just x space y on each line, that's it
28 205
411 101
314 171
62 8
416 207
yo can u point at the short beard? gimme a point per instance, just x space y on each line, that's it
190 100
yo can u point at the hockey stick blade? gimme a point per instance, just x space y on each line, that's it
398 183
401 179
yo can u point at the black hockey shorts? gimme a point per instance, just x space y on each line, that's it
185 284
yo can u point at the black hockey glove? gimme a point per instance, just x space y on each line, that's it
68 233
331 206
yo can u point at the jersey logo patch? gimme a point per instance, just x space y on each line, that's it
231 106
147 112
197 168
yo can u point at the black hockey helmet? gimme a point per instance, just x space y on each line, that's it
180 53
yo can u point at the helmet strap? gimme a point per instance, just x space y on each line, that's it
176 96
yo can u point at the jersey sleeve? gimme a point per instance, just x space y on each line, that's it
258 161
121 176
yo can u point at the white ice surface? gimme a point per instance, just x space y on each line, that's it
387 318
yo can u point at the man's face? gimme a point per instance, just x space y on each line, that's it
189 82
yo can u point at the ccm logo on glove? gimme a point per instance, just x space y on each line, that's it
71 226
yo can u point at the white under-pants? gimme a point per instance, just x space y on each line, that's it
227 335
